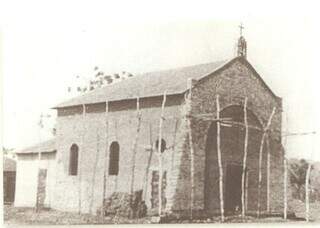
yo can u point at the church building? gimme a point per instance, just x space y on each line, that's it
108 141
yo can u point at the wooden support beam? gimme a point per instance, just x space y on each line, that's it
308 191
211 119
189 110
246 190
209 116
134 152
81 151
285 177
94 172
204 115
105 159
148 164
245 152
220 161
260 159
268 173
242 125
174 143
191 170
286 134
285 208
160 153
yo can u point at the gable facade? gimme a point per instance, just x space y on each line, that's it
233 83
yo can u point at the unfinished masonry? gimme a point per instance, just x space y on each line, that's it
116 130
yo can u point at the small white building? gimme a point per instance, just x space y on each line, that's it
35 178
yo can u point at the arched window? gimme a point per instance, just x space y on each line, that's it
114 158
163 145
73 162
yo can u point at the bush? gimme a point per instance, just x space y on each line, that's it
124 205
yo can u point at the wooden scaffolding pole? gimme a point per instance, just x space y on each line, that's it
246 190
94 172
188 103
160 153
286 168
260 158
174 143
307 191
285 177
268 173
146 178
105 160
219 160
285 187
245 152
79 156
240 124
134 151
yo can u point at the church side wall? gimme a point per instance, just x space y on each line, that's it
89 133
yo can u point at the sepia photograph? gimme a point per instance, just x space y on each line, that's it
165 112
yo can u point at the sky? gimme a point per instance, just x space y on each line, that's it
44 45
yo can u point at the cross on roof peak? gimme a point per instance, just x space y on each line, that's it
241 28
242 44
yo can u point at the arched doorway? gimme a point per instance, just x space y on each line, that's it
232 147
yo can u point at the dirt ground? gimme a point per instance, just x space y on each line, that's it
299 209
28 216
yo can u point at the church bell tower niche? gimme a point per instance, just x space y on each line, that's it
242 44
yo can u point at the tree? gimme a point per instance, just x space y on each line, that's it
7 151
99 80
47 122
298 170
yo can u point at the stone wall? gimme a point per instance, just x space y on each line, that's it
233 83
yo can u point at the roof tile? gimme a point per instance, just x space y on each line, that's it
146 85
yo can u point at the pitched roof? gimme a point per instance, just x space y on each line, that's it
152 84
48 146
146 85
